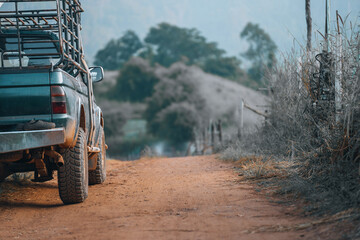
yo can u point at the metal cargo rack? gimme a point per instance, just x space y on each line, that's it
25 23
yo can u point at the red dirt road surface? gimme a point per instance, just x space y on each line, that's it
158 198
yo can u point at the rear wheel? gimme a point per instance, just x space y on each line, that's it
73 175
98 175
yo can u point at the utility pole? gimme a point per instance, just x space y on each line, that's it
327 25
309 25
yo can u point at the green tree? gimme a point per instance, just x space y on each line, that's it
117 52
227 67
175 108
135 83
261 51
173 44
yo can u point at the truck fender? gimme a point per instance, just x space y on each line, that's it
98 123
80 119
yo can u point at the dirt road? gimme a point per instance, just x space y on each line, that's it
178 198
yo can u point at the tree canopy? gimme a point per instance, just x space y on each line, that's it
166 44
227 67
135 83
175 44
117 52
261 51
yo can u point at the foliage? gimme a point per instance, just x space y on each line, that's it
176 122
117 52
227 67
305 129
114 123
261 51
174 114
175 44
166 44
135 83
115 116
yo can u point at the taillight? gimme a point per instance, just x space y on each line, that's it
58 100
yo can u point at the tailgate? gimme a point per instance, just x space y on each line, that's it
23 97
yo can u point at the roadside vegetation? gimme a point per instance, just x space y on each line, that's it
167 83
309 146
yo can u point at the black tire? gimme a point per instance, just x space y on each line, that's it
98 175
73 176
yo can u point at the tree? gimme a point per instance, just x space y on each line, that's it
173 44
261 52
117 52
175 108
135 83
177 122
227 67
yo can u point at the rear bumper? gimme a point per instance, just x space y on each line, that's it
22 140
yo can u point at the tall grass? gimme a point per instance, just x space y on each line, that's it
304 127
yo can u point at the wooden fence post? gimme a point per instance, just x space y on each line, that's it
212 132
219 128
241 118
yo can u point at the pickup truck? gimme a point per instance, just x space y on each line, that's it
49 120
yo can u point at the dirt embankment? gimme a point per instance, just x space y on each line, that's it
178 198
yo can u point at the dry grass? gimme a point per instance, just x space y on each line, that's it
341 216
261 167
303 128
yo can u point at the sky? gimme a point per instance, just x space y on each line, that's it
220 21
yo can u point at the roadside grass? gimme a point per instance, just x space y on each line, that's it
349 215
304 128
262 167
280 179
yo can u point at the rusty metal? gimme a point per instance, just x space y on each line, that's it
38 157
41 167
58 159
63 20
22 140
11 157
93 154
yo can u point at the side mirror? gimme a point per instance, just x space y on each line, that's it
97 74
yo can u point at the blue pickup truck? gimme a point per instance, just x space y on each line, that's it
49 120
